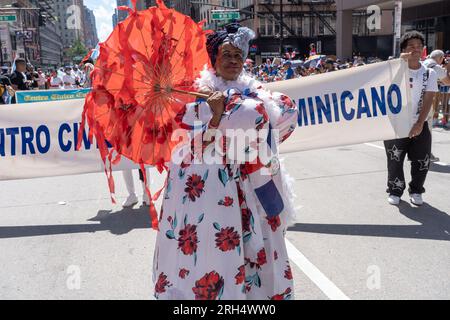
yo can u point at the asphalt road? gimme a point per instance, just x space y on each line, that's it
61 238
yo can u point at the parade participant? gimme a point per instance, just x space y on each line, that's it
288 70
312 50
417 146
222 225
132 198
434 62
55 82
68 78
88 66
5 70
6 90
32 76
78 74
41 79
18 77
330 65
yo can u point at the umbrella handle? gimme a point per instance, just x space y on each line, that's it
192 93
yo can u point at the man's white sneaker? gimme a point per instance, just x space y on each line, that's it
416 199
130 201
145 199
394 200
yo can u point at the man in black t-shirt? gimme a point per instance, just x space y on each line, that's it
18 77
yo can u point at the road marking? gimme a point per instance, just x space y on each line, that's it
374 145
316 276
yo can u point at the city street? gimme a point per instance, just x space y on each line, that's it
348 242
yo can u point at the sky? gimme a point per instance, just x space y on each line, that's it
103 11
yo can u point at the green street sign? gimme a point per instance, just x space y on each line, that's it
225 15
8 18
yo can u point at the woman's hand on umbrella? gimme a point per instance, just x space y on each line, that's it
216 102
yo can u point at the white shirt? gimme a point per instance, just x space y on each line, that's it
68 79
416 81
56 82
41 80
440 71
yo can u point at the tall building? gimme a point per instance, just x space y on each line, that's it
289 26
122 14
51 46
90 29
184 7
431 17
115 19
145 4
70 15
33 35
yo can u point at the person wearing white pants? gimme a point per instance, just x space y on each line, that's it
132 199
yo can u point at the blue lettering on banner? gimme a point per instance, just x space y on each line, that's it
363 105
65 147
323 109
398 93
378 100
347 116
86 142
29 140
43 145
334 106
12 132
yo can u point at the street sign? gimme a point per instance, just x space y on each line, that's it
27 34
225 15
11 18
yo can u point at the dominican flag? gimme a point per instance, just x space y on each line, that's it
93 54
424 54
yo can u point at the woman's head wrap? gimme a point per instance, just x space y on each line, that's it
235 34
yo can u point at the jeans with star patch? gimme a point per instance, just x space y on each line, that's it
418 150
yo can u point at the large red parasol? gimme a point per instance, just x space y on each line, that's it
141 80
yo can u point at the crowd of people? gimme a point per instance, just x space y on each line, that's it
285 69
280 69
24 76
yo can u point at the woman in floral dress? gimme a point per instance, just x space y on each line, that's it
223 223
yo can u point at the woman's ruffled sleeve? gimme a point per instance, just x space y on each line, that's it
283 113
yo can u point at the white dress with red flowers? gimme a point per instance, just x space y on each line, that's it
221 236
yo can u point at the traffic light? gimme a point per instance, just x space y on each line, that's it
42 19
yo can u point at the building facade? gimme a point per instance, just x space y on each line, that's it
49 36
431 17
33 35
70 15
90 29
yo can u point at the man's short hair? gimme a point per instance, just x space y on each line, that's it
437 54
410 36
20 60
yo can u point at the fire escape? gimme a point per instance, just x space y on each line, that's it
273 6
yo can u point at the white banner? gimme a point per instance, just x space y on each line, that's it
353 106
39 140
363 104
